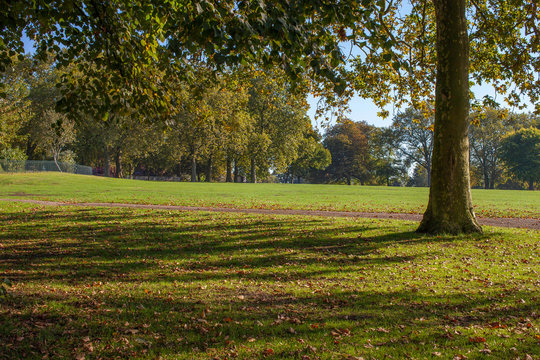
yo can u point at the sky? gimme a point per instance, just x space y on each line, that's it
365 109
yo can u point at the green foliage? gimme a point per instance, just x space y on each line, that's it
348 146
488 127
311 156
14 104
521 153
12 154
413 136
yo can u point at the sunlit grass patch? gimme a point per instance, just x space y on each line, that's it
79 188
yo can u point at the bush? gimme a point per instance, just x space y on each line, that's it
12 160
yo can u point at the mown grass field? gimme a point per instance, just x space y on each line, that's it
124 283
76 188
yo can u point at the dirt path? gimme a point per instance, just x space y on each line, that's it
501 222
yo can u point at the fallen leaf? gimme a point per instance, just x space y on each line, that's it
477 339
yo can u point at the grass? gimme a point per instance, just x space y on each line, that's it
73 188
123 283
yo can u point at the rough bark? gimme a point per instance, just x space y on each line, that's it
450 208
228 178
236 172
253 170
193 168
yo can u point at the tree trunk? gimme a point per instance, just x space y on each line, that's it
348 180
228 178
118 162
179 168
55 158
531 184
107 163
292 178
209 170
236 172
253 170
193 168
428 170
450 208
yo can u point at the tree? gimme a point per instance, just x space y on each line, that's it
413 134
14 106
419 177
348 146
485 136
521 153
55 132
387 165
278 122
311 156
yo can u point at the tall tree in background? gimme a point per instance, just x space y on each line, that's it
413 135
311 156
14 106
387 165
278 122
55 132
521 153
348 146
486 133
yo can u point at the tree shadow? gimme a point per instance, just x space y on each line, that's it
125 283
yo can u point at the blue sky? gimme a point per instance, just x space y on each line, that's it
365 109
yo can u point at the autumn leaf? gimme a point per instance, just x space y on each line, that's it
268 352
477 339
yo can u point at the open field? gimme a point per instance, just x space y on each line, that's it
78 188
127 283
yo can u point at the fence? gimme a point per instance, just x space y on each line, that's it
38 165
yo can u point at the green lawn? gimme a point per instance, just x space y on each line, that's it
66 187
125 283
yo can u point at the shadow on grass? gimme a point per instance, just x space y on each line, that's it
97 246
127 284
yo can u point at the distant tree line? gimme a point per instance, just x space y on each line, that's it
251 126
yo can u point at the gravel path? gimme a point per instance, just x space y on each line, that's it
500 222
